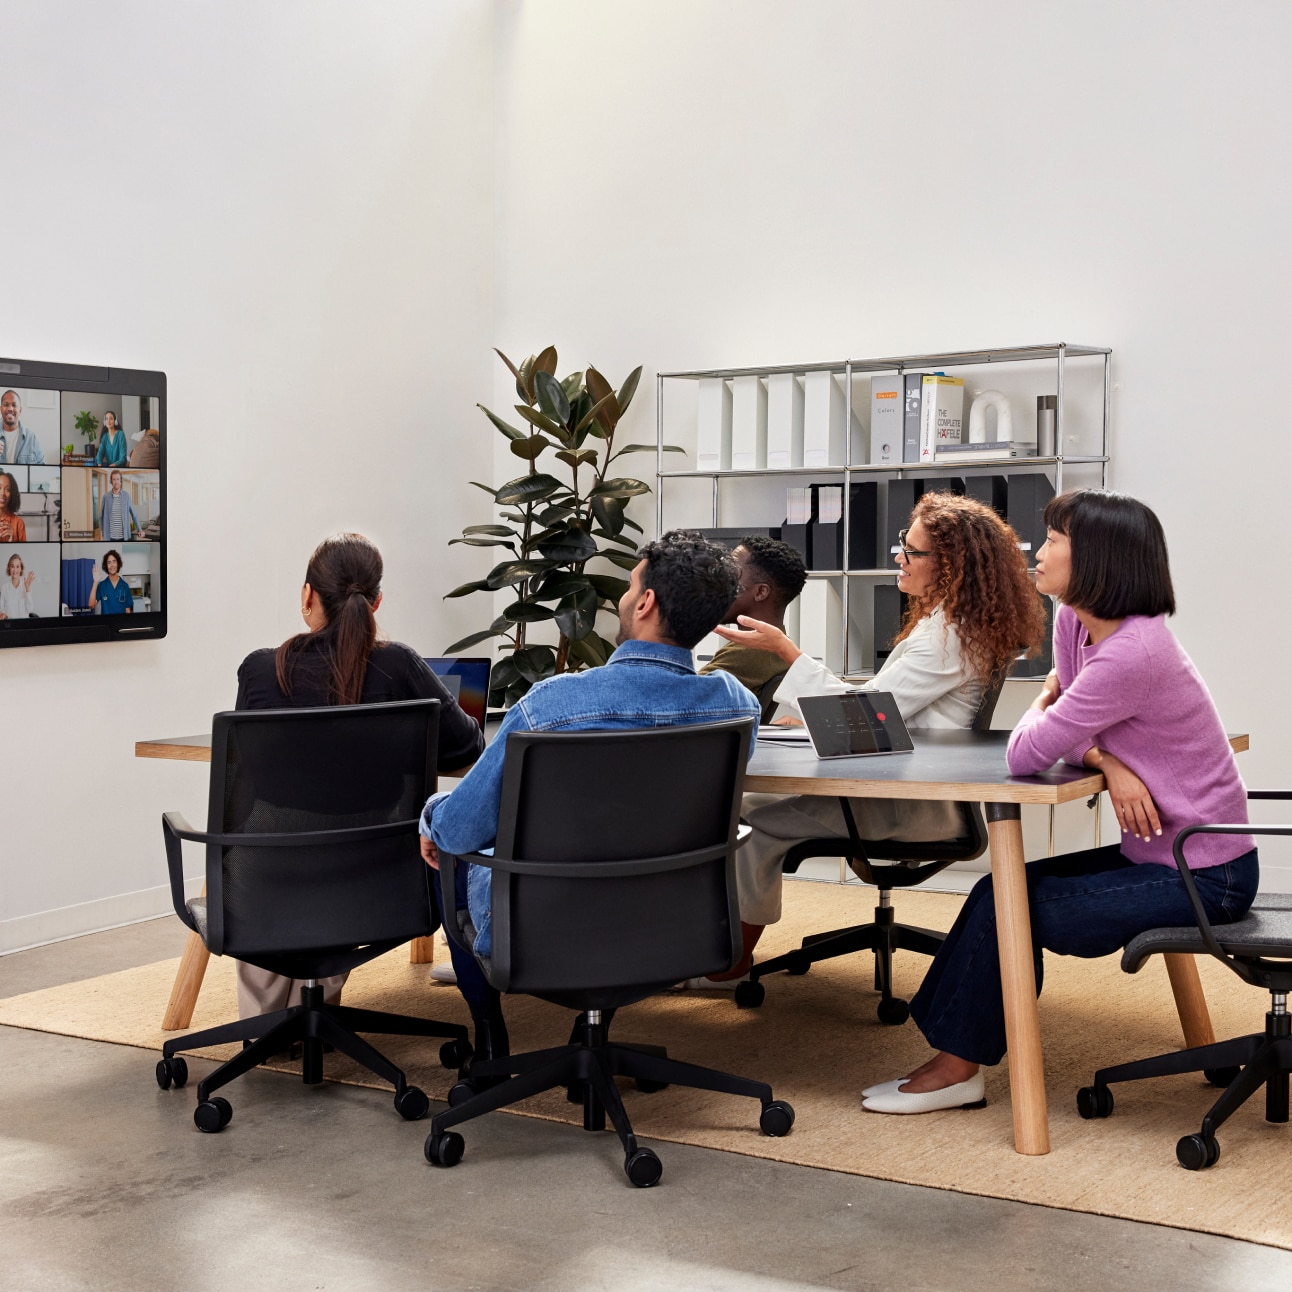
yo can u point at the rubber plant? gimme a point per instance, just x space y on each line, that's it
565 512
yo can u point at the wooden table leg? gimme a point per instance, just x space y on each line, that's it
1190 1003
421 951
187 984
1018 980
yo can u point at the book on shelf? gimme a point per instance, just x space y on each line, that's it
823 420
826 544
748 424
912 396
886 417
985 451
798 505
784 421
713 426
942 401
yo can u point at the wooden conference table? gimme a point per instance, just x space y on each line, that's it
954 765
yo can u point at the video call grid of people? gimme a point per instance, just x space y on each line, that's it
80 504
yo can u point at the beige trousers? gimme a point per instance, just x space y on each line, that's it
262 992
780 822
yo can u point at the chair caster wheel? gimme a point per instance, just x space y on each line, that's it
797 964
212 1115
1197 1152
460 1092
751 994
643 1168
411 1103
445 1149
894 1011
1094 1102
776 1119
1221 1076
171 1072
454 1054
648 1087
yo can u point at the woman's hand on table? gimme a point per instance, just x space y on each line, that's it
1132 803
760 636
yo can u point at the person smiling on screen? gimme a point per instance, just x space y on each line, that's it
15 590
1124 698
971 609
109 590
112 443
17 444
13 529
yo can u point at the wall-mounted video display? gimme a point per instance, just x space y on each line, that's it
82 503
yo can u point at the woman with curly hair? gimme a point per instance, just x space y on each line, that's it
971 609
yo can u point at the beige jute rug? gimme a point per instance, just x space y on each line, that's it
817 1041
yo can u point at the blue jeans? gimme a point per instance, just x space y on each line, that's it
1084 904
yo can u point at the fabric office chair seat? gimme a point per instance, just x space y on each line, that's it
888 864
600 900
312 867
1258 948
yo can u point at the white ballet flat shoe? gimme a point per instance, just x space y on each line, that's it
709 984
884 1088
966 1094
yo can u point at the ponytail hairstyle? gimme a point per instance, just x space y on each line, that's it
345 573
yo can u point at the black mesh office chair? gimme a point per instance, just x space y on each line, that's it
1258 948
600 900
888 864
312 867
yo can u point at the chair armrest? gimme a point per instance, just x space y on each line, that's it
1191 889
446 874
175 828
597 869
294 839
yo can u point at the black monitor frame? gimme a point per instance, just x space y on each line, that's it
82 378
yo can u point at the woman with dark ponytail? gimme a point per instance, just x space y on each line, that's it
340 660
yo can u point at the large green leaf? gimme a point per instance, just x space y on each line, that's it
546 361
589 650
515 372
534 663
544 423
551 398
622 559
577 457
649 448
509 431
550 515
609 513
629 389
569 546
503 673
608 586
620 487
526 385
499 530
560 583
514 572
493 493
528 489
530 448
476 540
616 538
602 409
527 611
573 386
576 615
476 585
469 641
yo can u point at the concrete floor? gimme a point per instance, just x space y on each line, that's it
105 1184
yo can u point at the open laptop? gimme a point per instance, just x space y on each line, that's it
856 724
467 680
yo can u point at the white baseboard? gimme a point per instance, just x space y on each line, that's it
90 917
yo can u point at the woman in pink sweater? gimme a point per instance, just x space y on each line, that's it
1126 699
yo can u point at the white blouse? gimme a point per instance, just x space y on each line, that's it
926 674
14 602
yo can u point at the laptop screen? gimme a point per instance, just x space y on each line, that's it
857 723
467 680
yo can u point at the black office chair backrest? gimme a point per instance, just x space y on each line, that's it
294 770
767 696
599 796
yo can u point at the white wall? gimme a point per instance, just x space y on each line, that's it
768 183
287 208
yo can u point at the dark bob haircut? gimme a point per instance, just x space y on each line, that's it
115 555
694 582
1119 561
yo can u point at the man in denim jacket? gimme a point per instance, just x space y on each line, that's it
680 589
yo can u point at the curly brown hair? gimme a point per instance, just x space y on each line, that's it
982 583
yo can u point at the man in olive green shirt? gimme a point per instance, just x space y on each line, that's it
772 574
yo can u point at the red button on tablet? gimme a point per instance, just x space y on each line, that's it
881 717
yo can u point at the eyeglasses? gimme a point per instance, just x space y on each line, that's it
908 552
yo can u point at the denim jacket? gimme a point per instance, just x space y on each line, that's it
28 451
644 684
